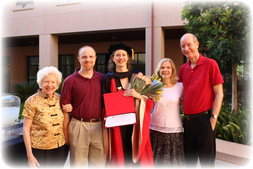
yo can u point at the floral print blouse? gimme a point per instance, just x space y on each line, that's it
47 124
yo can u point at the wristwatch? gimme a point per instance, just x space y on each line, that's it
214 116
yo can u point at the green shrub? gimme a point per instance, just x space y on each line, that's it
60 87
21 110
25 89
235 126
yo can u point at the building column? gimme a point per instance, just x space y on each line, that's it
159 48
148 52
159 45
48 51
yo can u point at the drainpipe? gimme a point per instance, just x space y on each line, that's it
152 37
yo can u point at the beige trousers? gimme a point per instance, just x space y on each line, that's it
86 144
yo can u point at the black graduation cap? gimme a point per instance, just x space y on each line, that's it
116 46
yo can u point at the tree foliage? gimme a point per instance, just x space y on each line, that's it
223 31
222 28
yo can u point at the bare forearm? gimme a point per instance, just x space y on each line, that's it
65 126
65 121
217 103
27 141
218 92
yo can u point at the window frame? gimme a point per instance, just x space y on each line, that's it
107 57
29 65
23 5
138 64
9 89
60 64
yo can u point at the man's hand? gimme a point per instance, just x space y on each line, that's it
67 108
213 123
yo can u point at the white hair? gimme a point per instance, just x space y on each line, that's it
49 71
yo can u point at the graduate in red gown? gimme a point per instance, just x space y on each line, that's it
127 145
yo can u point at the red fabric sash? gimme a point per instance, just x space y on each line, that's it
117 158
145 152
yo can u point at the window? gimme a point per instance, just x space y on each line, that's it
139 62
102 63
24 2
66 64
23 5
244 79
6 74
32 67
244 76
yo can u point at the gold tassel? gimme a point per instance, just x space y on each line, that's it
132 54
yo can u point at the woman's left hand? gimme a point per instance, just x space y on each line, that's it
133 93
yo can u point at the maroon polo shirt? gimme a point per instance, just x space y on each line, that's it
83 94
198 84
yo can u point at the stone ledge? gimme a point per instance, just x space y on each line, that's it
234 153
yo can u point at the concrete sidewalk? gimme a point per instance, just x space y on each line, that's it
218 164
228 155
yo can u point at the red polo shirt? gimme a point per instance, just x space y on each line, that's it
198 84
84 94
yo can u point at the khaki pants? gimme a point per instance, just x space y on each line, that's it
86 143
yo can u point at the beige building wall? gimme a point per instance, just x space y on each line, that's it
18 62
47 19
173 51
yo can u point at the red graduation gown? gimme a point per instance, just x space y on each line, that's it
141 145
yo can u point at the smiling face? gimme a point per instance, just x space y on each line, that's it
189 47
49 85
87 58
120 58
166 70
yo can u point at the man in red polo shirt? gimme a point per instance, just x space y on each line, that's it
84 134
203 95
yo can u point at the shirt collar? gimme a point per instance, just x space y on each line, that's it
44 95
95 74
200 61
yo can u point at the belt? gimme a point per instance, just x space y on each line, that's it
194 116
88 120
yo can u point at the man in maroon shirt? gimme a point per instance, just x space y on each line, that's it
203 95
83 133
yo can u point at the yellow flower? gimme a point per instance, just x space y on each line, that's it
159 92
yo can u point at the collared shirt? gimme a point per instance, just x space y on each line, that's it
84 94
198 84
47 124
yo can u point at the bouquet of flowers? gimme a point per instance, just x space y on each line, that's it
149 86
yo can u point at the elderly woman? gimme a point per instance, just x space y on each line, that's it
43 122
